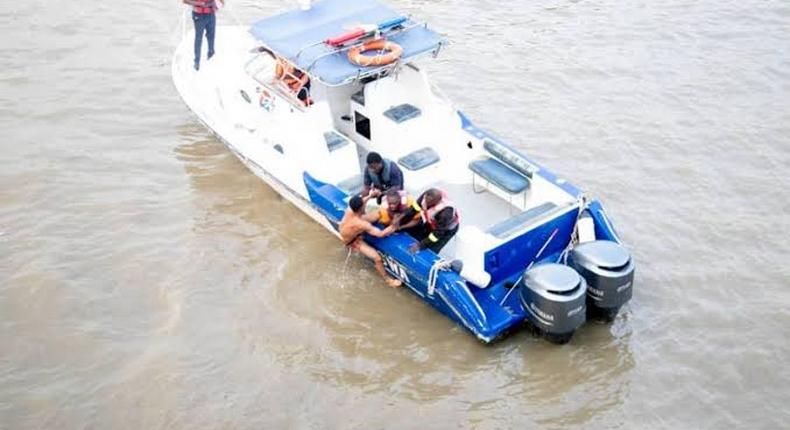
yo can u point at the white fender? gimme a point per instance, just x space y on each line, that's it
586 228
471 245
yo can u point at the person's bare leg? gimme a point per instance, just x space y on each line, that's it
371 253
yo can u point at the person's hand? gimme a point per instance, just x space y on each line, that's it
375 192
414 248
396 221
389 230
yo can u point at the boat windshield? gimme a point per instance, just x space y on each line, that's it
277 75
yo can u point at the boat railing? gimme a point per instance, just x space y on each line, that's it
393 27
362 73
359 43
276 85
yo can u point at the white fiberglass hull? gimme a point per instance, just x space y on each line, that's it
206 96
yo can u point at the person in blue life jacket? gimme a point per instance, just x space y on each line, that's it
380 176
203 15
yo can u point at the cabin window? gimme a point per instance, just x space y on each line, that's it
419 159
334 140
402 113
362 125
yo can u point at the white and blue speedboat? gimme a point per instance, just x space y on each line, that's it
532 248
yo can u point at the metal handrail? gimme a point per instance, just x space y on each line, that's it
298 53
360 72
278 85
362 42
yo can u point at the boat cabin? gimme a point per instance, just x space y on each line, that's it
393 109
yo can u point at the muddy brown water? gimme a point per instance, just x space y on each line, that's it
148 280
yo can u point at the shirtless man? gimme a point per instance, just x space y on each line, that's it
355 224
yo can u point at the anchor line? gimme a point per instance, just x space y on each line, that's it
433 274
582 200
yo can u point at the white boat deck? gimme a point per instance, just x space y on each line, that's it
481 210
278 140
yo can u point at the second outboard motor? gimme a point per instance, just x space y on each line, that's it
609 271
553 296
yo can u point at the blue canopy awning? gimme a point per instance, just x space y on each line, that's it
302 31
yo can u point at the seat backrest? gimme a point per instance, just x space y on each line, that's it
504 228
511 158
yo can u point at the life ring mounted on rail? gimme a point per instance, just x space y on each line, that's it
393 52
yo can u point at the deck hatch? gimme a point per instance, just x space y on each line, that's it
402 113
419 159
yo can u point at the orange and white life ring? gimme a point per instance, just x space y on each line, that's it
393 52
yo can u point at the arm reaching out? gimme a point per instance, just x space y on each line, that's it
409 224
375 232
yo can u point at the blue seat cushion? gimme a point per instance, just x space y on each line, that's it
501 175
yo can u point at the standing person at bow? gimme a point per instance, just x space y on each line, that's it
203 15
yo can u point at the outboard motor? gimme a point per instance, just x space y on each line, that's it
609 270
553 296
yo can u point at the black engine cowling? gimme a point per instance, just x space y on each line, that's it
554 298
609 271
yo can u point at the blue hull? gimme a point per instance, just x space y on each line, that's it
476 309
490 312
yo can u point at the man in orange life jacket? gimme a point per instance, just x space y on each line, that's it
205 22
396 205
441 221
